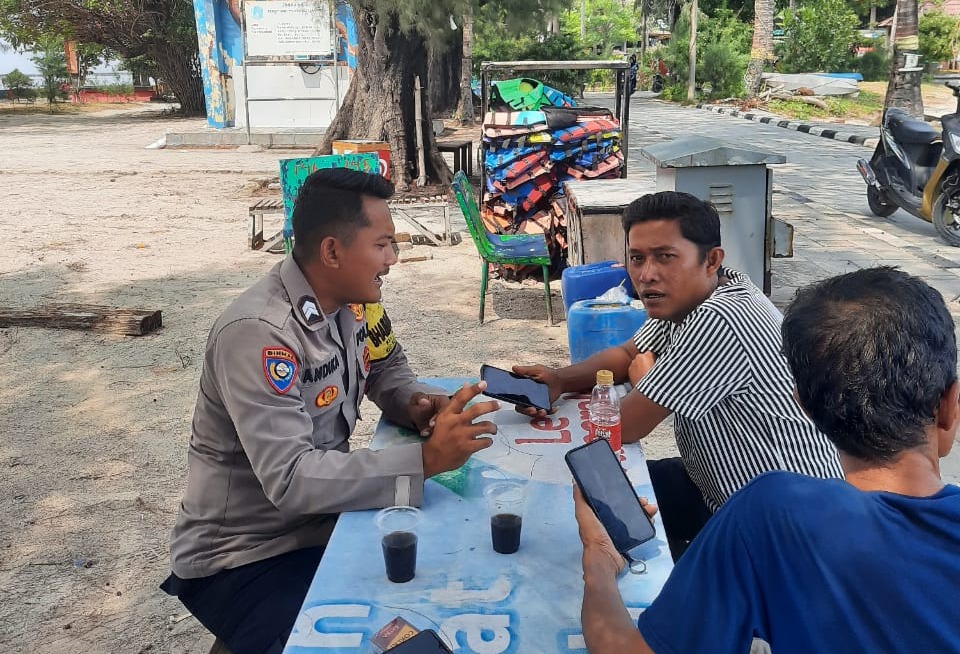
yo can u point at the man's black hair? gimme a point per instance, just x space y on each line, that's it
698 220
872 353
330 203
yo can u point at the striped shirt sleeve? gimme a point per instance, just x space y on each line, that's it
652 336
705 364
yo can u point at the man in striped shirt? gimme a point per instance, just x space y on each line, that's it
710 355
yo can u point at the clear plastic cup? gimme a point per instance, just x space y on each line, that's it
398 538
505 501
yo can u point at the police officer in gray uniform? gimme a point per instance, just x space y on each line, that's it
285 369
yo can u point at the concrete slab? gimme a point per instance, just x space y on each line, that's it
235 137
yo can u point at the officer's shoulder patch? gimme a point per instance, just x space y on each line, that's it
280 367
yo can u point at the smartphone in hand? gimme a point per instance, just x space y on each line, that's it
515 389
608 491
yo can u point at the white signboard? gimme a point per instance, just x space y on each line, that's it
288 28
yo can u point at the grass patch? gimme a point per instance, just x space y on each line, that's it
865 107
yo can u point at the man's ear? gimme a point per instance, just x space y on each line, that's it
714 260
329 252
947 418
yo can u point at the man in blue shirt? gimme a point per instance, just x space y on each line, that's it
869 564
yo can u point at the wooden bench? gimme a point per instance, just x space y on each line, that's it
257 211
462 154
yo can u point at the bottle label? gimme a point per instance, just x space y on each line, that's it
610 432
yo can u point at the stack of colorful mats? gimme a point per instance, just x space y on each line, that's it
529 153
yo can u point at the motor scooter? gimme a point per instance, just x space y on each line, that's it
917 169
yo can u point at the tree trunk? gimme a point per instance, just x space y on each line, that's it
692 72
762 49
180 71
443 75
903 89
873 16
379 104
465 112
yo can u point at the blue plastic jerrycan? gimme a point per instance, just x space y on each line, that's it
592 280
594 325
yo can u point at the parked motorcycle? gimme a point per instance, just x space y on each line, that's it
917 169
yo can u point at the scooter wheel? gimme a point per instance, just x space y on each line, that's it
879 204
946 221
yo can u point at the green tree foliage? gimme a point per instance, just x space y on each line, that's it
19 85
723 50
497 39
820 35
162 30
608 23
938 36
874 65
53 68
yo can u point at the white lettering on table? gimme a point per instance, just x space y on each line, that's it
473 625
304 633
455 593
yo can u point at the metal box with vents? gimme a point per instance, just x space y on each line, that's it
739 183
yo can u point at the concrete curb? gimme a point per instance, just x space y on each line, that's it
776 121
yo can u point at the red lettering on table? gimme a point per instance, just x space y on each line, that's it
548 424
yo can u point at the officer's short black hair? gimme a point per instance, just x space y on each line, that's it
330 203
698 220
872 353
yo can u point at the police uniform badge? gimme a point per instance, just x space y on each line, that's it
357 310
280 368
309 310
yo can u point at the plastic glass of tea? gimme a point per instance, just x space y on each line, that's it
505 501
398 537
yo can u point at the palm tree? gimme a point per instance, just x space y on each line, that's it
903 89
762 48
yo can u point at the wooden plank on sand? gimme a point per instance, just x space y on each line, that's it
108 320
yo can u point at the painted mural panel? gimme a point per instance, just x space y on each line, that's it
220 38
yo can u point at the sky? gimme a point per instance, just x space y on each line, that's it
10 59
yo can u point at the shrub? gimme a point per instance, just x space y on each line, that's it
722 68
820 35
115 89
874 66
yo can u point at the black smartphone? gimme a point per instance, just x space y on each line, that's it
608 491
425 642
515 389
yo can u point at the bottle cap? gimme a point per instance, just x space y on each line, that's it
605 377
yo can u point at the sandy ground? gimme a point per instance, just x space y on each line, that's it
95 427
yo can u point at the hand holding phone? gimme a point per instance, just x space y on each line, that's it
610 495
515 389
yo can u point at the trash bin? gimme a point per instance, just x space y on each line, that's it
739 184
593 212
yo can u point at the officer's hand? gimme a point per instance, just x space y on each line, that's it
455 435
640 366
424 409
548 376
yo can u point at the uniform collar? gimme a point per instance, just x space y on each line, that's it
306 308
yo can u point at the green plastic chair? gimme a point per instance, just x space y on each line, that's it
516 249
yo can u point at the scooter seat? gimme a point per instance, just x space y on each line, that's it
907 129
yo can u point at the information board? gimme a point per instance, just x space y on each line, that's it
288 28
